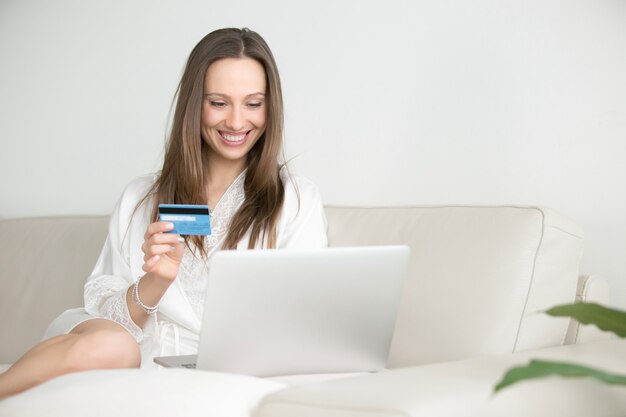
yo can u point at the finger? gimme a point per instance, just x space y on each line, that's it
179 248
158 227
165 239
151 263
161 249
174 242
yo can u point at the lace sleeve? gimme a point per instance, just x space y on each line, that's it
104 301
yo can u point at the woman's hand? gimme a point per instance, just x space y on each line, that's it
162 251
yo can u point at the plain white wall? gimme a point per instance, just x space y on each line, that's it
396 102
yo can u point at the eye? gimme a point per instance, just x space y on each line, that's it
255 104
218 104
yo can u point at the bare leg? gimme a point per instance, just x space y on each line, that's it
94 344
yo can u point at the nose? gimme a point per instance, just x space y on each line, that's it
235 119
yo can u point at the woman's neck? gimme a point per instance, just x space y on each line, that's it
219 177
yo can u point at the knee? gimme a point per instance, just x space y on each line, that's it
102 349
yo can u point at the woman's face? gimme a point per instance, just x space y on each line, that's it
233 108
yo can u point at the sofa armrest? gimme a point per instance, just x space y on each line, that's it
591 289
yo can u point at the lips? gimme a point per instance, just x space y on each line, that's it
234 138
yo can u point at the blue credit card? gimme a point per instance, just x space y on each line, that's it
187 219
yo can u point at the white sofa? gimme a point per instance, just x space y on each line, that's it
471 308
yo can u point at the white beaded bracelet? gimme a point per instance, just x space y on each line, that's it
137 300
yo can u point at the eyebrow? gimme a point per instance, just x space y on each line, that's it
227 96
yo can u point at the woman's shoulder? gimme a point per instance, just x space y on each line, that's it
141 184
135 191
301 195
302 221
297 185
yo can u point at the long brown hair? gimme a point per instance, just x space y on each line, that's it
182 179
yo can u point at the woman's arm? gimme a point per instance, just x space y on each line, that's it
108 291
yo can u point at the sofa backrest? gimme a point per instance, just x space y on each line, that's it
478 278
478 275
44 263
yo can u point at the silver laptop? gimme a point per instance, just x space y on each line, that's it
289 312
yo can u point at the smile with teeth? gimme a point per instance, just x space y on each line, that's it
234 138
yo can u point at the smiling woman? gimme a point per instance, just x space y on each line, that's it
230 88
145 295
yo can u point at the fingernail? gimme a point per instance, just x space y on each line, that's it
169 226
181 239
156 258
172 248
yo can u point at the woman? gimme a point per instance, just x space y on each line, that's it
145 295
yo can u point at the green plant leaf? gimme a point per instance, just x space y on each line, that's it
590 313
539 369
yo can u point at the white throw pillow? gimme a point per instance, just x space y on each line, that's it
137 393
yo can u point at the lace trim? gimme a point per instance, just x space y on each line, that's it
113 307
193 271
192 277
225 209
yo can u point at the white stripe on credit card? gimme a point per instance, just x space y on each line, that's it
168 217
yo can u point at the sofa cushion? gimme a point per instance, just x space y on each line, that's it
478 277
464 389
134 392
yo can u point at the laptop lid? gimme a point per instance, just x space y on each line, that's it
287 312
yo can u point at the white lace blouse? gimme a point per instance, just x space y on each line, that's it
175 328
